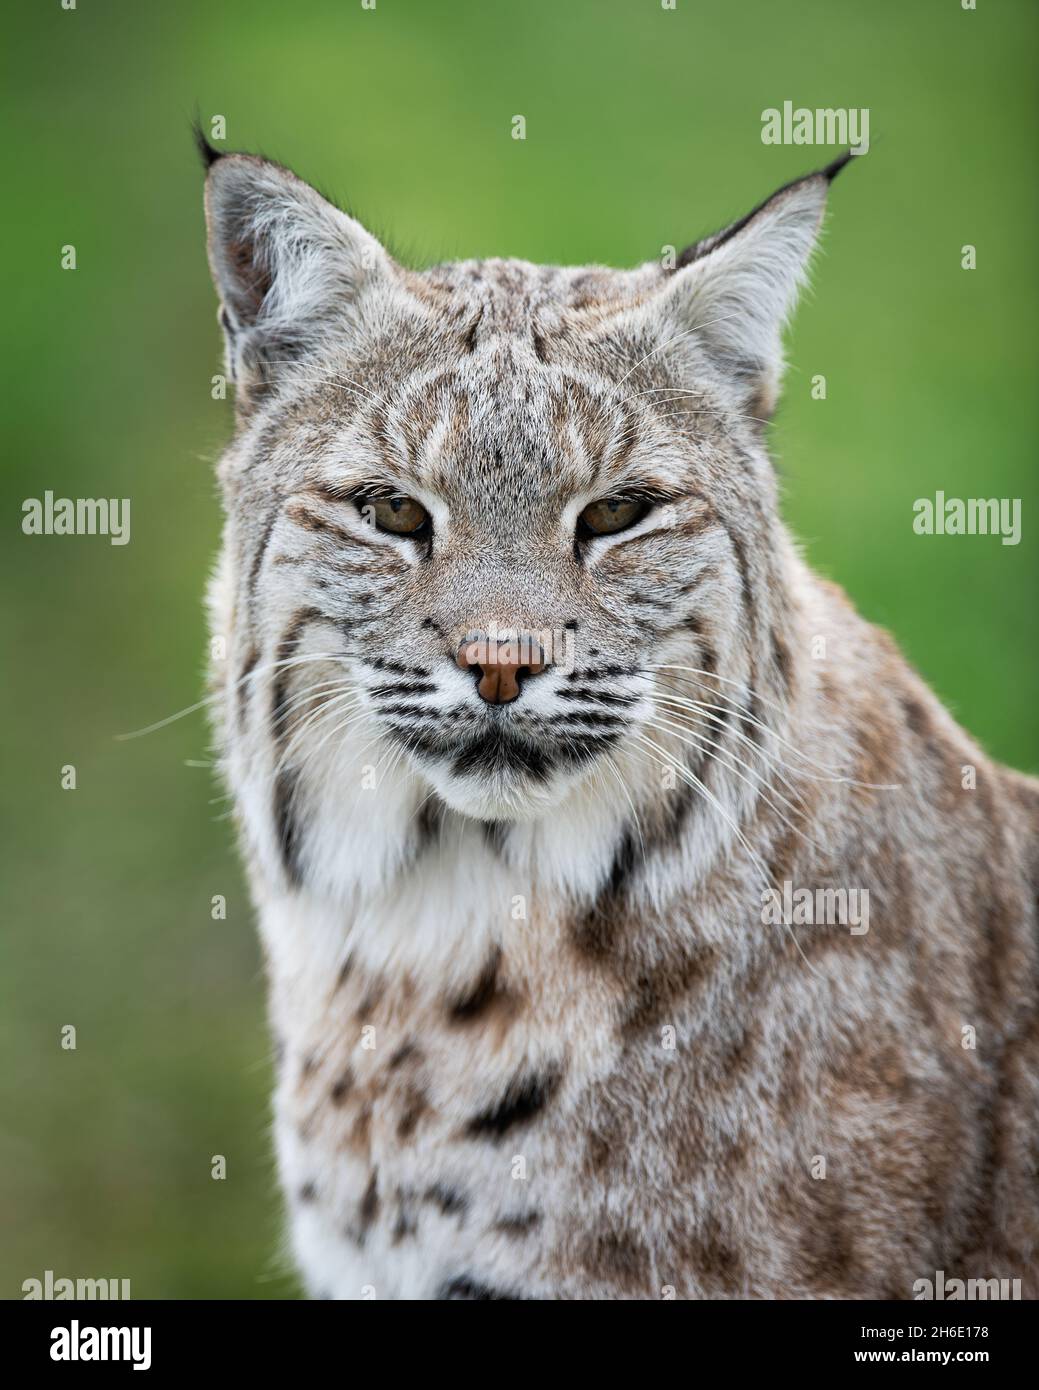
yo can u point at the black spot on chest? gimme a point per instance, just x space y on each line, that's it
482 997
526 1097
469 1290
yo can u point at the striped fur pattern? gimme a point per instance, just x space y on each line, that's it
534 1038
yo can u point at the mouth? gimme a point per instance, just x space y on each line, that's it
510 750
499 753
501 772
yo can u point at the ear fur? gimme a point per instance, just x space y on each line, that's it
731 293
287 265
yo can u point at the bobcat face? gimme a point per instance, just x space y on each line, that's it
497 498
520 546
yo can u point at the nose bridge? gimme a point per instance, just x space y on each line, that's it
503 591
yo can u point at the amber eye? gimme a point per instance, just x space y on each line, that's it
611 514
401 515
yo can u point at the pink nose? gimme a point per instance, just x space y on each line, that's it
501 664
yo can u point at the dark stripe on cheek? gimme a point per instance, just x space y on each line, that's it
311 521
261 549
285 826
741 564
285 652
590 719
589 692
379 692
379 663
244 684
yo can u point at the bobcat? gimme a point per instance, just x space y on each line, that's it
532 714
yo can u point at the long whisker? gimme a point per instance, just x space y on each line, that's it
713 675
745 714
354 717
229 689
743 840
722 419
311 693
695 781
610 762
348 698
719 724
704 742
333 704
733 704
698 741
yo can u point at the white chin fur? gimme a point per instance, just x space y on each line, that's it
512 798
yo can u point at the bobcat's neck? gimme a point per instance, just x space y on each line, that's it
404 886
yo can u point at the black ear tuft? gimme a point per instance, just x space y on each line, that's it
207 153
832 170
706 244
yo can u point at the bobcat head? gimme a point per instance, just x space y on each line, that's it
510 503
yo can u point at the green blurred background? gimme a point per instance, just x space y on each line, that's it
643 128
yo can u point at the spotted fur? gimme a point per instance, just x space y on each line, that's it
534 1039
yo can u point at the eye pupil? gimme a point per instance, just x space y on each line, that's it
611 515
401 516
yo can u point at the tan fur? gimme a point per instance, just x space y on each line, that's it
535 1038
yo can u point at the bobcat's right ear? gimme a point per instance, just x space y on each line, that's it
287 264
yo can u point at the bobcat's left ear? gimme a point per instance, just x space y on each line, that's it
289 266
732 292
